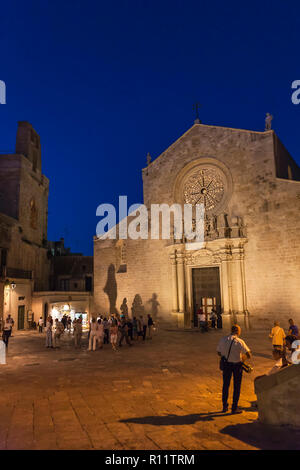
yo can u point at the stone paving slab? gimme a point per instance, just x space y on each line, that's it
159 394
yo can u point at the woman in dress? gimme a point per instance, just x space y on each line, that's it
113 332
100 333
93 334
49 324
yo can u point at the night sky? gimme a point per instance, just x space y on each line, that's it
105 82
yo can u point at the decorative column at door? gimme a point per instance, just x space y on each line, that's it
174 283
180 277
238 297
225 277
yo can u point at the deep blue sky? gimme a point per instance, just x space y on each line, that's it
104 82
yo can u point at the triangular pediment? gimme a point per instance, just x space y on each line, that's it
198 130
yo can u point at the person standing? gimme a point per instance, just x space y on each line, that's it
134 328
232 348
293 329
49 323
12 324
77 331
113 333
106 331
202 321
41 324
7 330
143 327
150 325
199 312
288 349
9 323
93 334
100 333
140 328
130 328
277 335
213 318
219 319
124 332
63 321
59 329
69 324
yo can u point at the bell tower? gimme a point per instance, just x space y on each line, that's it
28 144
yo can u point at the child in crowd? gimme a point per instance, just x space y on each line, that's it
114 335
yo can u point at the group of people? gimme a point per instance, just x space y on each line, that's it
55 329
112 329
206 321
234 353
117 328
282 344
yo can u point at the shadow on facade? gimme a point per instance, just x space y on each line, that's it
111 290
137 308
154 305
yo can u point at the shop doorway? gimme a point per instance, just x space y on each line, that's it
21 316
206 290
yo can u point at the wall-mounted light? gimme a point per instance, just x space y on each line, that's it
10 285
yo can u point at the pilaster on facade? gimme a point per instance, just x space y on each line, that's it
174 282
180 258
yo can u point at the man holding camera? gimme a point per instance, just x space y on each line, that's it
232 349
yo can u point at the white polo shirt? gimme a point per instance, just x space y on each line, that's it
238 348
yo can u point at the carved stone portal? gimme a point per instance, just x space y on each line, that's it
228 256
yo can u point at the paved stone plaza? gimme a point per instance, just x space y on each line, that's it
162 394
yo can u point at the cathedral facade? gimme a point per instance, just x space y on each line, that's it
250 261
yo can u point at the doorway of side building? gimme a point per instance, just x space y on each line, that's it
21 317
45 313
206 290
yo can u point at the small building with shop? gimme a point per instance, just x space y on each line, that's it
57 304
37 276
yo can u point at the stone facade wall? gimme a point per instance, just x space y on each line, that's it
10 169
28 256
148 274
20 296
27 248
34 188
